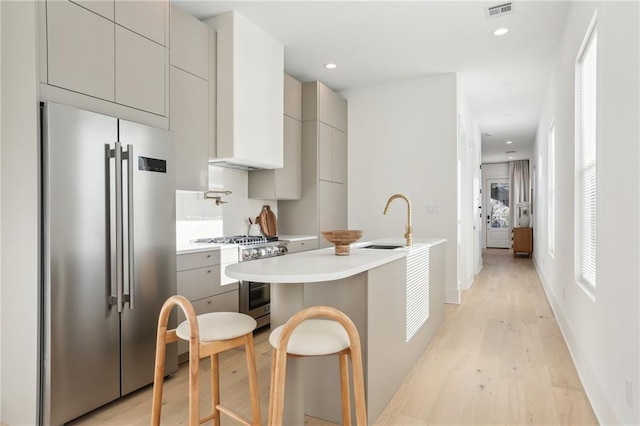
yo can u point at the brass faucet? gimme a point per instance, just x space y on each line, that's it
409 234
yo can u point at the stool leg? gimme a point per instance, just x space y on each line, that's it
344 388
158 376
358 384
215 389
272 386
253 380
277 388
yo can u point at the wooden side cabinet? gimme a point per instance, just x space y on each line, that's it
522 241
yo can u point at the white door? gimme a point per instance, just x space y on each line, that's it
497 208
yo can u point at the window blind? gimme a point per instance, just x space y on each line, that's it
587 163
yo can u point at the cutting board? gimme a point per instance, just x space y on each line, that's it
268 222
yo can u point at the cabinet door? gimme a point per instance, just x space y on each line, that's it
325 143
292 97
140 72
80 50
147 18
190 129
332 109
338 156
332 208
289 179
189 43
103 8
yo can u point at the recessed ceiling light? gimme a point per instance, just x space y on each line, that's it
330 66
509 142
500 31
510 158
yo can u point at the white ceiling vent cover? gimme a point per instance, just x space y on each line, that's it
499 10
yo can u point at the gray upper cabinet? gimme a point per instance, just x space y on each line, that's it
323 205
190 129
104 8
190 101
189 43
113 51
141 68
80 50
292 97
284 183
323 104
147 18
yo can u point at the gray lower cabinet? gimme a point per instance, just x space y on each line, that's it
202 281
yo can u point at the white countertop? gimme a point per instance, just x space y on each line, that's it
189 247
294 238
323 264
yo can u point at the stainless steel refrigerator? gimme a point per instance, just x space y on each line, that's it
108 257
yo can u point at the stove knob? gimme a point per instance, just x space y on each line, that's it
283 249
246 254
262 252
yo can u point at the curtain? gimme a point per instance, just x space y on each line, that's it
519 188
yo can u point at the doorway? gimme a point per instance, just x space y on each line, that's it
498 224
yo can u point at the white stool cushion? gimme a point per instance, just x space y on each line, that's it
219 326
314 337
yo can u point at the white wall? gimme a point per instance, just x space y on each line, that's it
469 155
19 310
603 335
402 139
240 208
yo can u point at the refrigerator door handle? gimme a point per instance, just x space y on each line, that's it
119 243
130 296
111 283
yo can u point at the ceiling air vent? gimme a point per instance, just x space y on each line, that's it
509 152
499 10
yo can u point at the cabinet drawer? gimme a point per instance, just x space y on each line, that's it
198 260
199 283
225 302
297 246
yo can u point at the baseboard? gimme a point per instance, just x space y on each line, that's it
600 402
452 295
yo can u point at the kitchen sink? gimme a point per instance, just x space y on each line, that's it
381 247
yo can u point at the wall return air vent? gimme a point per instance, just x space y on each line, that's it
499 10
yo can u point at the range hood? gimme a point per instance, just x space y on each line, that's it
249 95
234 164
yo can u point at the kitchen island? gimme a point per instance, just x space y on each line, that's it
395 297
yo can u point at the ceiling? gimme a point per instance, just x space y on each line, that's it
377 42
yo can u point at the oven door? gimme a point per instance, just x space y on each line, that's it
255 298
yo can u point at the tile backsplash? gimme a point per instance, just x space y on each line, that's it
197 217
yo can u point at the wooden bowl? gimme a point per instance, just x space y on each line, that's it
342 239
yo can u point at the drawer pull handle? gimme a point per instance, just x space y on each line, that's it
208 255
209 271
209 302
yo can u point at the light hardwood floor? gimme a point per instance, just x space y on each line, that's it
499 358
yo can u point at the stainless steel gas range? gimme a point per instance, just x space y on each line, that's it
255 297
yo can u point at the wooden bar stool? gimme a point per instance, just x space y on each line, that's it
208 335
304 335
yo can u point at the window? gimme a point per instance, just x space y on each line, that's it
551 224
586 139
